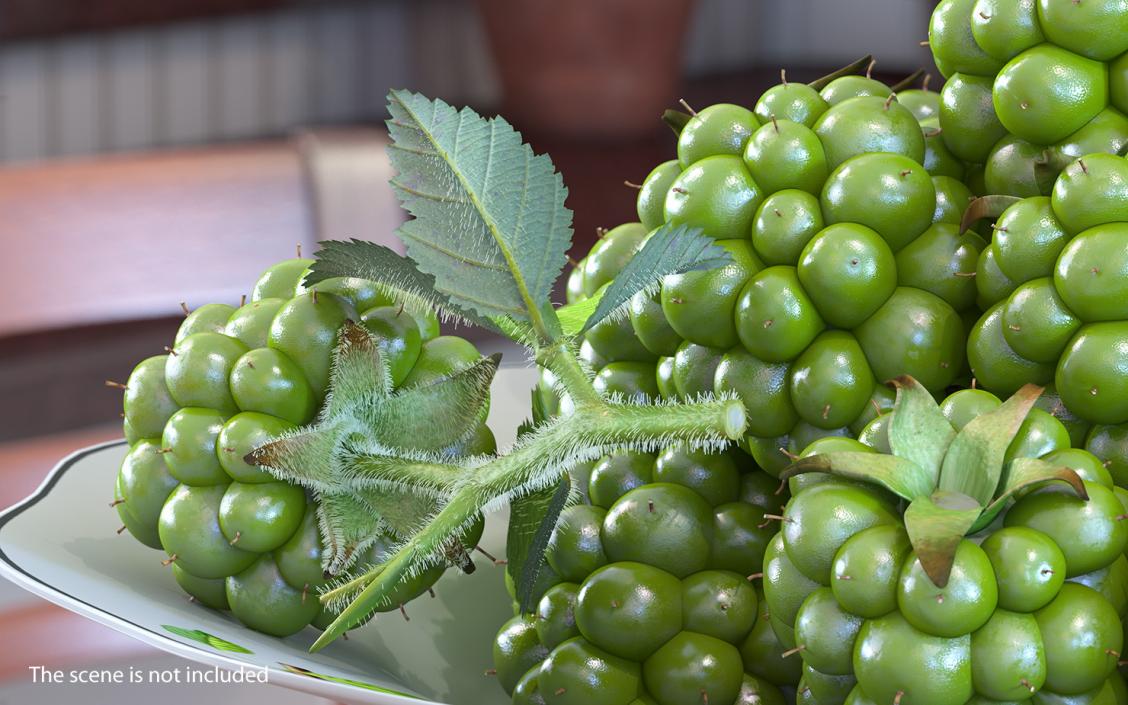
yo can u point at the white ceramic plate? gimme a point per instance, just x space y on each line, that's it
60 544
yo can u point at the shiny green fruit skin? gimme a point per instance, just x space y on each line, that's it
1028 240
651 203
831 381
914 333
797 102
1008 660
892 657
699 305
197 373
762 386
516 649
440 357
785 222
961 606
650 325
695 369
618 473
722 128
1118 83
577 549
714 476
147 402
921 102
846 87
629 609
1110 443
243 433
938 157
579 673
1088 532
849 271
250 323
812 542
208 592
1016 167
397 337
299 559
262 600
209 318
1092 191
995 365
1043 110
281 280
952 199
305 329
636 381
1040 434
886 192
762 652
967 117
716 194
267 381
261 517
953 44
143 485
1092 375
1107 132
189 530
693 667
1036 322
827 633
867 568
1004 29
786 155
869 124
190 439
1080 629
939 262
1029 567
1098 30
664 525
991 284
785 587
775 317
556 615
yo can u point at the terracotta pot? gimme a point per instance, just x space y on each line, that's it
591 68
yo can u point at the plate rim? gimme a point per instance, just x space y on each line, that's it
12 571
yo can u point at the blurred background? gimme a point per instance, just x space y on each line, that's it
154 153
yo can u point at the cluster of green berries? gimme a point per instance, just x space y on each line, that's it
1055 282
234 379
650 594
848 266
1031 86
1033 607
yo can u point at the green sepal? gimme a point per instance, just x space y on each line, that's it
348 526
900 476
359 372
676 120
850 69
532 519
369 471
401 512
985 207
1027 473
671 249
919 431
936 524
435 415
907 82
974 462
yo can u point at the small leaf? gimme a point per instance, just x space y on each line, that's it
676 120
900 476
489 220
401 512
435 415
348 526
974 461
907 82
672 249
1026 473
936 525
531 522
919 431
359 370
398 276
850 69
985 207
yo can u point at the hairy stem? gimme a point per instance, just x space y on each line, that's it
535 463
561 361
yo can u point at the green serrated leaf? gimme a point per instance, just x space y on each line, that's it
671 249
936 524
489 221
974 462
919 431
1026 473
397 275
532 519
435 415
900 476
